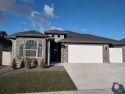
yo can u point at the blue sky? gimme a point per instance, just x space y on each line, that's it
104 18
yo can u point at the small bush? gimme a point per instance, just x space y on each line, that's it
42 63
14 64
28 63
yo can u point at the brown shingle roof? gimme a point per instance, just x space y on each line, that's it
122 40
31 33
3 32
73 37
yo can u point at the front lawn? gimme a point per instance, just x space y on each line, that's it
44 81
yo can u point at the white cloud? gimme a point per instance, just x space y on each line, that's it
58 28
48 11
11 6
38 20
43 18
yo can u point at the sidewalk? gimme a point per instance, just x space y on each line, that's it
96 91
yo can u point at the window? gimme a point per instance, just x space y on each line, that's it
30 48
39 48
30 53
65 36
21 45
58 36
52 35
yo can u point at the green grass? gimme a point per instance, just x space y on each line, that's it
36 82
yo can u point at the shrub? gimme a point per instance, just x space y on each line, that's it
28 63
42 63
14 64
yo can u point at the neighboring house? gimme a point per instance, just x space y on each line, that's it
5 48
66 46
122 40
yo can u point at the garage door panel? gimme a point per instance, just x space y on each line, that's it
115 55
85 54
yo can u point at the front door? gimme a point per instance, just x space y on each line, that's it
55 52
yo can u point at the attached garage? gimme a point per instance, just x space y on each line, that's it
115 55
85 53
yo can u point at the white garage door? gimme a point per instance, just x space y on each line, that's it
6 58
115 55
85 54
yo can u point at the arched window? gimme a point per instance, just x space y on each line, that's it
30 48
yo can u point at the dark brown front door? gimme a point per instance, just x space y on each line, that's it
55 52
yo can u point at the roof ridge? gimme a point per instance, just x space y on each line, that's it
26 31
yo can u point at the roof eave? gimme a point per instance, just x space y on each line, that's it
94 42
11 37
38 36
31 35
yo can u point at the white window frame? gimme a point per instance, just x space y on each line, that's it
24 47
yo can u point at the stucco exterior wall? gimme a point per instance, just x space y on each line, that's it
105 53
58 38
123 54
43 47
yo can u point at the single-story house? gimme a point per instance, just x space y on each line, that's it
66 46
5 48
122 40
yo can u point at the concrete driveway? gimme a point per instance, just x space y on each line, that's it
96 76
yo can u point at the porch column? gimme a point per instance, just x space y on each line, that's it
48 61
106 54
13 50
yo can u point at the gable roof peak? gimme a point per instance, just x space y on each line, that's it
55 31
29 33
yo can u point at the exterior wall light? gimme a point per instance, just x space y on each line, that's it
64 45
106 47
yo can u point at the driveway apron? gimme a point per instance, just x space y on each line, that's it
96 76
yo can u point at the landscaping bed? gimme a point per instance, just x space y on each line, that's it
34 80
